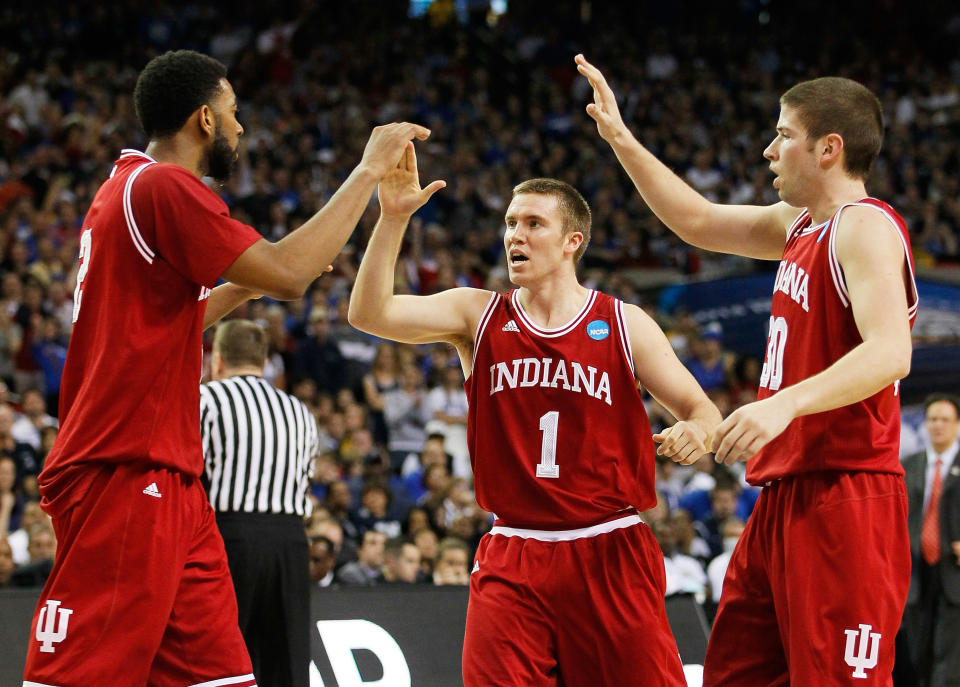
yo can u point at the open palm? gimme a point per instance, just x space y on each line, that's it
399 191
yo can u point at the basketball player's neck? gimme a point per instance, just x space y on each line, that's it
836 192
178 149
551 303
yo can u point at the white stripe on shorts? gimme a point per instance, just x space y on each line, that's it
569 535
226 681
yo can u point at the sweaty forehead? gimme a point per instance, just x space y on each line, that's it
533 204
225 96
790 119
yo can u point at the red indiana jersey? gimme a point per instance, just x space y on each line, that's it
558 435
811 327
154 242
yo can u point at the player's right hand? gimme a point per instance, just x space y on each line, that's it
604 109
387 145
399 191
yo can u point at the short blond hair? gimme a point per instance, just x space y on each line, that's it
574 210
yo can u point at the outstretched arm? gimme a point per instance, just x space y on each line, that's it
286 268
661 372
223 300
753 231
872 258
374 308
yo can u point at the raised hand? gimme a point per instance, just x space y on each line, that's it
750 428
399 191
387 144
603 110
684 443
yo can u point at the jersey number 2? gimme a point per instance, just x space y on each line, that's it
772 374
86 241
547 467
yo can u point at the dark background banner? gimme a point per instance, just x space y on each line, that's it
391 636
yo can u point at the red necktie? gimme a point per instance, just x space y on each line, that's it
930 533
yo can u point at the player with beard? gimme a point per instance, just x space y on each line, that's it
140 592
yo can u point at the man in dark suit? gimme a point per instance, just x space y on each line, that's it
932 616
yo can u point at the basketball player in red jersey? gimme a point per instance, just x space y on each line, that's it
568 586
140 592
817 584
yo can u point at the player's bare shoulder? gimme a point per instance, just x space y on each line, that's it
870 229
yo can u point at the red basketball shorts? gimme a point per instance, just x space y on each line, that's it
816 586
140 592
578 612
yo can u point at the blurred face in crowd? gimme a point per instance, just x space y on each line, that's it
451 568
407 564
426 541
724 503
339 495
322 559
6 419
942 425
33 404
371 550
375 501
6 562
43 543
8 474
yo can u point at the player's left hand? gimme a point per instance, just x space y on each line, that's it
684 443
749 428
399 191
956 550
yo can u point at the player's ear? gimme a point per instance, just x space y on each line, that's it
572 242
206 120
830 149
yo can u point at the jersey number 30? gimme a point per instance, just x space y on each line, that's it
772 375
86 241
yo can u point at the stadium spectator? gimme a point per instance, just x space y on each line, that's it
451 563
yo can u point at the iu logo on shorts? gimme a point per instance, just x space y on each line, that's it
52 625
866 644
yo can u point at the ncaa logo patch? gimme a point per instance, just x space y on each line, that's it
598 330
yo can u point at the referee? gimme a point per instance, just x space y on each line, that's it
258 443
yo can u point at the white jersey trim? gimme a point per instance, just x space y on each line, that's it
836 271
133 152
559 331
27 683
139 243
568 535
484 321
624 335
225 681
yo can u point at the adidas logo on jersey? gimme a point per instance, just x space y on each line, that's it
511 326
153 491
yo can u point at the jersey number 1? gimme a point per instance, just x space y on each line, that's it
86 241
547 467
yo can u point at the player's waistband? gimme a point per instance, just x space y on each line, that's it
568 535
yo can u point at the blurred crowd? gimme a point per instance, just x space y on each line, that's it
393 485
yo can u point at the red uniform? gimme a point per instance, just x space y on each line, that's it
816 586
568 587
140 566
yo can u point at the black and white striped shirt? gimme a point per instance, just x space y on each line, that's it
258 443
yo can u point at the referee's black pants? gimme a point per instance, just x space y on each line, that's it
269 563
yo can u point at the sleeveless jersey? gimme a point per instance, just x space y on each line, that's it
811 327
155 238
558 435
